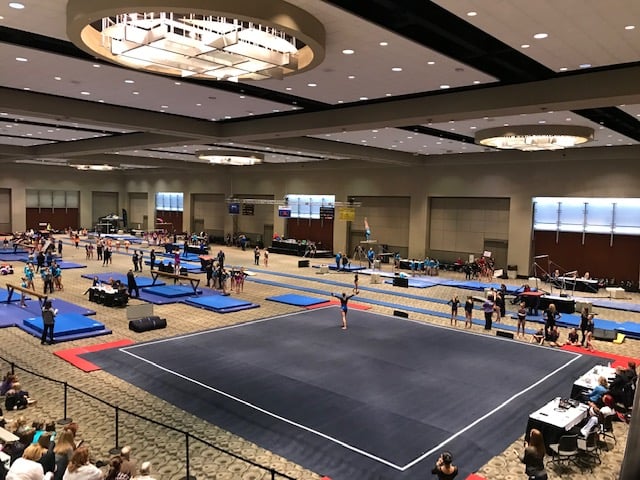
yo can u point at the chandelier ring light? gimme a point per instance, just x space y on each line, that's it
216 40
534 137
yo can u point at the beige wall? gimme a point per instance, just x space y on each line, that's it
513 176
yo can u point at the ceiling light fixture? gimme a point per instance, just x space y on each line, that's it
97 168
534 137
230 157
237 41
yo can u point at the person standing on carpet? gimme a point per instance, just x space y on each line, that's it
455 303
256 255
344 300
132 285
584 322
550 317
152 259
355 284
522 319
488 307
48 320
140 259
444 469
134 259
468 312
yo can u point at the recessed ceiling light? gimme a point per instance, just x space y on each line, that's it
312 84
242 96
21 59
431 62
383 44
473 127
445 86
585 65
540 36
351 77
57 78
476 82
198 104
526 45
177 83
16 5
135 93
348 51
364 98
164 106
101 101
85 93
288 89
340 101
95 65
472 14
129 81
396 69
563 69
629 27
387 94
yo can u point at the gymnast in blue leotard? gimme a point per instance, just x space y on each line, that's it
344 299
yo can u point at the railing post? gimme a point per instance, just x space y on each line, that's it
187 458
13 368
273 474
65 420
116 449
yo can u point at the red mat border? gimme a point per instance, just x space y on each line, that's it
617 360
71 355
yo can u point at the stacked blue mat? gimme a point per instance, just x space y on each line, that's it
220 303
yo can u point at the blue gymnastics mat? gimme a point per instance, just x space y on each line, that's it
189 257
220 303
297 300
68 326
4 294
105 277
348 268
416 283
616 305
630 329
171 291
66 265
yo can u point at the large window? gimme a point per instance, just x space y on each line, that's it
308 206
590 215
170 201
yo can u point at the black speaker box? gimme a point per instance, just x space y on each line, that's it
147 323
502 333
400 282
400 313
602 334
303 263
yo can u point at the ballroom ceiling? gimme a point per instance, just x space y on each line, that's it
402 82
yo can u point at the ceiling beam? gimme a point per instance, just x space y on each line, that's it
592 89
65 109
129 141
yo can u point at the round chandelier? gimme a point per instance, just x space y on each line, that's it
230 157
217 40
534 137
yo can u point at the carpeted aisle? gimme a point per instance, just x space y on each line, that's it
380 400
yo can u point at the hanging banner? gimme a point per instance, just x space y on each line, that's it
347 214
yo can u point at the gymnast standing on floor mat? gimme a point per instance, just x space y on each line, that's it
344 299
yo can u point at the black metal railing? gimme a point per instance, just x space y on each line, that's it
117 411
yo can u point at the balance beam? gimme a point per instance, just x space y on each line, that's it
193 281
11 288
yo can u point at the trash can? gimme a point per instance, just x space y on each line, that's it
512 272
